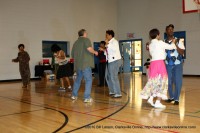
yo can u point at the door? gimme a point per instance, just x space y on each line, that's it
126 49
131 51
136 56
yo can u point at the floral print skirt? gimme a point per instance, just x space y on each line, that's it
157 84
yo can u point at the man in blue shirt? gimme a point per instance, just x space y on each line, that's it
174 65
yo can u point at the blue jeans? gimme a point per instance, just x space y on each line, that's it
112 76
87 74
175 76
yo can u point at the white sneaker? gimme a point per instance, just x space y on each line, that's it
70 87
89 100
150 101
111 93
61 89
117 96
159 105
74 98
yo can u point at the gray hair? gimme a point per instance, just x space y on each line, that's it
81 32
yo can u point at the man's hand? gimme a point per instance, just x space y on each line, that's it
174 41
96 53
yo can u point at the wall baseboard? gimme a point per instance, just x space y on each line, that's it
191 75
14 80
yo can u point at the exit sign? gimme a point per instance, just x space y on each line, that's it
130 35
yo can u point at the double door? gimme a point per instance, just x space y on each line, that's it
131 51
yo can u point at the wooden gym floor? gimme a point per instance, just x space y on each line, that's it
42 109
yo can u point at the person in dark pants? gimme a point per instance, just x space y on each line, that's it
114 59
23 58
102 65
174 65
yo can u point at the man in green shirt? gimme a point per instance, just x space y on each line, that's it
83 55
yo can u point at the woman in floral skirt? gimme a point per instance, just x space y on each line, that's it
157 84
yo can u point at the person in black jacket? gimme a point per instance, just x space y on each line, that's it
102 65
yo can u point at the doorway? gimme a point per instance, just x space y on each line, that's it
131 51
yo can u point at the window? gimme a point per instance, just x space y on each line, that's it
46 48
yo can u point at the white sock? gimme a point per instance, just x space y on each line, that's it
151 98
157 101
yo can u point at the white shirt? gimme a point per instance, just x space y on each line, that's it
112 53
157 49
60 61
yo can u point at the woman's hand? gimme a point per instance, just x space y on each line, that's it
101 49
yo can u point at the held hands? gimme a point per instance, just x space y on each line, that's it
95 53
174 41
106 41
101 49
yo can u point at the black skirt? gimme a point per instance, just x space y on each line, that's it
64 71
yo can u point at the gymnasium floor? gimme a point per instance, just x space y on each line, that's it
42 109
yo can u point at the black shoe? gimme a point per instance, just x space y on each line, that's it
169 100
176 103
